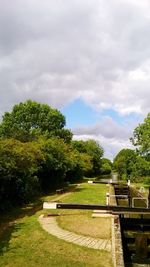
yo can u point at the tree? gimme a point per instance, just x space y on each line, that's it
30 119
141 137
124 162
96 153
141 140
80 145
94 150
80 165
57 162
106 166
19 165
142 167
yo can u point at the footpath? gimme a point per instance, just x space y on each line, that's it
50 225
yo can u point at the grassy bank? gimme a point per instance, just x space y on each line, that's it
24 243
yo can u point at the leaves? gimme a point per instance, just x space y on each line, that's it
141 137
124 162
36 153
29 120
19 165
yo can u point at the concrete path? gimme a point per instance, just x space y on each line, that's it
50 225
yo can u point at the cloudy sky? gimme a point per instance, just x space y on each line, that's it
89 58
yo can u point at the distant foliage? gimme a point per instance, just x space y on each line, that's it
94 151
125 162
136 164
141 138
37 154
106 166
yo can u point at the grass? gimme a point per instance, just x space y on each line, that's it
84 224
24 243
81 221
88 193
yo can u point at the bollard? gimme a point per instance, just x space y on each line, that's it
128 183
107 199
149 197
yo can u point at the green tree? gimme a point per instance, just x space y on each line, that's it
30 119
56 164
96 153
106 166
80 165
142 168
141 140
80 145
141 137
19 165
94 150
124 162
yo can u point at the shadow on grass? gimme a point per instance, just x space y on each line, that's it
78 189
8 220
10 231
62 214
19 212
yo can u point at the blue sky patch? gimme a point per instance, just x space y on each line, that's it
78 113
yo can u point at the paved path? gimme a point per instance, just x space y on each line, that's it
50 225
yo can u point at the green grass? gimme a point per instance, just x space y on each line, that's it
84 224
23 243
88 193
81 221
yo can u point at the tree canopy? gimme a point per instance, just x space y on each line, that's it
106 166
124 162
30 119
94 150
141 137
37 154
19 166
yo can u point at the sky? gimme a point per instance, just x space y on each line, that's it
90 59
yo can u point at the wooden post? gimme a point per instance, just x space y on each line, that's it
107 199
149 197
129 199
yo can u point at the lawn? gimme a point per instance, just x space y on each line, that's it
88 193
24 243
81 221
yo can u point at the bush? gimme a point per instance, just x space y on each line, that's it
19 164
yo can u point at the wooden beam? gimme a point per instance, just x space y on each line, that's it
111 209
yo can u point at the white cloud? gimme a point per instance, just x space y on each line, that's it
106 127
111 146
111 136
58 51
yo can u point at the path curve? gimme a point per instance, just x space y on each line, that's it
50 225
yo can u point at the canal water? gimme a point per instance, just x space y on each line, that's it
107 178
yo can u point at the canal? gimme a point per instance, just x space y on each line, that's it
135 229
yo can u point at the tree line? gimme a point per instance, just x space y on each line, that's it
38 155
135 164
